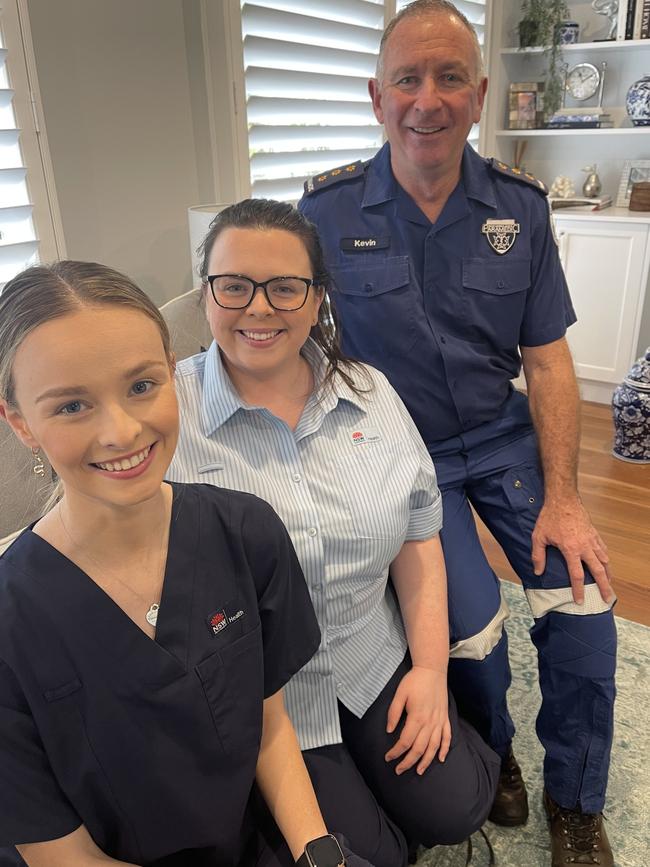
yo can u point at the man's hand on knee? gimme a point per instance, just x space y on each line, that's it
567 526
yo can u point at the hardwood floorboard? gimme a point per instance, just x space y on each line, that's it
617 496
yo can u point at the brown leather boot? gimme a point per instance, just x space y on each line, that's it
510 805
577 838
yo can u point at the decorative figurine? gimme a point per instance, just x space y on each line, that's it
562 187
592 185
610 9
631 410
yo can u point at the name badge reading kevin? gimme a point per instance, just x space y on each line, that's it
360 245
501 234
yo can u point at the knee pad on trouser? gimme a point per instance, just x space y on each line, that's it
479 687
577 662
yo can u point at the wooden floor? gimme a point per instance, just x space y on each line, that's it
617 495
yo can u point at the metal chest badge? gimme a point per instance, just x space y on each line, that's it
501 234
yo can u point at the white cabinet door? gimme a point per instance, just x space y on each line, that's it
606 267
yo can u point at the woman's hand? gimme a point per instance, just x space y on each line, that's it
422 695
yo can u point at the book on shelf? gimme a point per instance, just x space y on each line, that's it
580 121
597 203
593 124
629 19
638 16
644 32
580 109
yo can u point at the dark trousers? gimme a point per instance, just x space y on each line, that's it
500 476
377 812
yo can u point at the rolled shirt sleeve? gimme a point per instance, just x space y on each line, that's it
425 502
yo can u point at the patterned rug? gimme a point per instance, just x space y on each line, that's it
628 794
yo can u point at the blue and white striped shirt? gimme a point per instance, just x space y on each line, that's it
352 482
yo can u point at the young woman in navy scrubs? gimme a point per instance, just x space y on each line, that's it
147 628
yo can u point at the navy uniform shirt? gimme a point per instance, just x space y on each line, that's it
435 306
152 744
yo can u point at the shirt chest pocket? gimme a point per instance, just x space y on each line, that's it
375 486
494 296
373 299
233 683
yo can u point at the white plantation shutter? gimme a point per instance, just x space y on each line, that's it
307 64
18 244
27 204
306 68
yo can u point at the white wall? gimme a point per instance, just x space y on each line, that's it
115 84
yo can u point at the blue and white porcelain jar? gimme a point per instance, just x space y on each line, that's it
631 409
568 32
637 102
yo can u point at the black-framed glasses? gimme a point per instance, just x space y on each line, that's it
236 291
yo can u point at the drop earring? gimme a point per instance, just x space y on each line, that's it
39 467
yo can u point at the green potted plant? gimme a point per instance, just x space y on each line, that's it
540 26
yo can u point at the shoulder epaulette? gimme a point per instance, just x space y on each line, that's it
333 176
518 174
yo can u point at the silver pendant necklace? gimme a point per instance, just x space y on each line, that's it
152 614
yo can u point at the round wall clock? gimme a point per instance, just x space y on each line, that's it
583 80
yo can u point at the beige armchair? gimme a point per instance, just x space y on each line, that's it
188 326
22 493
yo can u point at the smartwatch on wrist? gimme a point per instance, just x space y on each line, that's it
322 852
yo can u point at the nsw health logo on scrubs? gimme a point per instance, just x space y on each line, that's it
220 619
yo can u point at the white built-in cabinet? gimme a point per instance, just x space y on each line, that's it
606 262
606 254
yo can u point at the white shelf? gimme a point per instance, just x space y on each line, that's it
614 45
532 133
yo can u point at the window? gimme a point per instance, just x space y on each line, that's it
306 71
306 67
26 226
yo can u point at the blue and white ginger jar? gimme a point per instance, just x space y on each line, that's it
637 102
631 409
568 32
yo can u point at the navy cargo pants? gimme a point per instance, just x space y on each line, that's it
496 469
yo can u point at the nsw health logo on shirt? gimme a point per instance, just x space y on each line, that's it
368 435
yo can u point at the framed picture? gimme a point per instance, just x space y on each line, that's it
633 171
525 104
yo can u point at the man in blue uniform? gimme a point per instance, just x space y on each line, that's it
448 278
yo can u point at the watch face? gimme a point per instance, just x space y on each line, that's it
582 81
325 852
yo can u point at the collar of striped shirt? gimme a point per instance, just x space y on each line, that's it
220 400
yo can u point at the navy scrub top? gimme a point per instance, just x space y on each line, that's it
152 744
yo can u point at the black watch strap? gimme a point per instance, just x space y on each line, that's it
322 852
